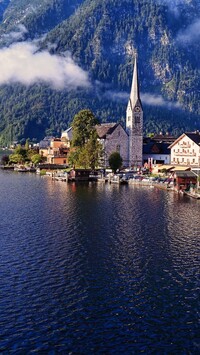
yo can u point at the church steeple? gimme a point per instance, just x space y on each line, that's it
135 91
134 121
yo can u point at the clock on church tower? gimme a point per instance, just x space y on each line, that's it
137 109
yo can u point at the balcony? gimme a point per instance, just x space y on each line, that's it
185 145
189 154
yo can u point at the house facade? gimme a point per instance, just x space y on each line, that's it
185 150
156 153
66 136
113 138
57 152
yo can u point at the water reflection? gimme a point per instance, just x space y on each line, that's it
97 268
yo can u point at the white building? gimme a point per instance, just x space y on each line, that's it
185 150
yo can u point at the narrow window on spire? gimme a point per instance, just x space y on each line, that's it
137 119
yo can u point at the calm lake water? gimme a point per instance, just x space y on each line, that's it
97 269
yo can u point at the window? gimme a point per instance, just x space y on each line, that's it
118 148
137 119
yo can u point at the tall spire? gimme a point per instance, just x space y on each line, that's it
134 121
135 92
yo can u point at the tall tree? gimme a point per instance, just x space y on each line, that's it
85 140
83 124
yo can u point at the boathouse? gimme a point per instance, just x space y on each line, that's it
183 180
79 175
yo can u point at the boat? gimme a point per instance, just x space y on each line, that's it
21 169
31 169
117 179
193 195
7 167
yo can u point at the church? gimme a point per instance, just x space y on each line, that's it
129 141
113 137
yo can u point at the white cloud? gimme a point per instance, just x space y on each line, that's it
16 35
23 63
146 98
157 100
116 95
190 34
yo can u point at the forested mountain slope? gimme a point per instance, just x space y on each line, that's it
100 38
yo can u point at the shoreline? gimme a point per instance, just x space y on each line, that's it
64 177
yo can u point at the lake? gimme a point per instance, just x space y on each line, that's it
97 269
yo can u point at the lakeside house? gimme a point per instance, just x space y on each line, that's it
185 150
184 180
57 152
156 153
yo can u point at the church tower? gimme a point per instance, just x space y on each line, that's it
134 122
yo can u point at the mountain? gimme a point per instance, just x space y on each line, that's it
65 55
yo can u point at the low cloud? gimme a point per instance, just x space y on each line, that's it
17 35
190 34
148 99
23 63
157 100
116 96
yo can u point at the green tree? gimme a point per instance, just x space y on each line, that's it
36 159
93 150
83 124
16 158
115 161
73 158
85 140
27 144
19 156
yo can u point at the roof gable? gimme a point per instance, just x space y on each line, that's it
194 136
156 148
105 129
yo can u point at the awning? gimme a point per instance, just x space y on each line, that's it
180 168
165 166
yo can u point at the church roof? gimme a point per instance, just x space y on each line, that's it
105 128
